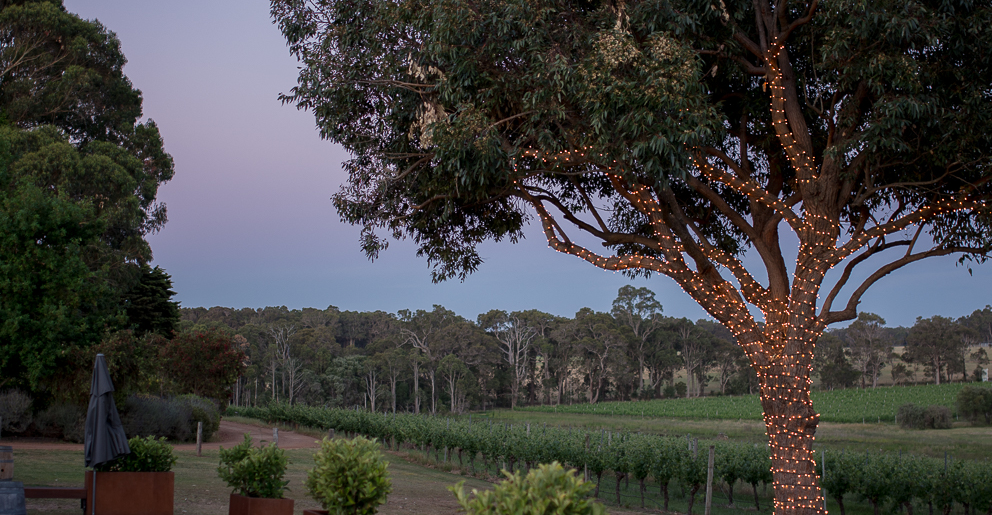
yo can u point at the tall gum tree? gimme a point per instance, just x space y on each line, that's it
678 134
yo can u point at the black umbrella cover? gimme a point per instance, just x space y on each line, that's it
104 438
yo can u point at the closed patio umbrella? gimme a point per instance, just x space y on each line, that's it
104 438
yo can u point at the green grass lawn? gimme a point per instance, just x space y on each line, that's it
416 489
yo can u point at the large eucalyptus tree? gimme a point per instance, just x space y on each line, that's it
680 134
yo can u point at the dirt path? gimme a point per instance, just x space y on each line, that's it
232 433
229 434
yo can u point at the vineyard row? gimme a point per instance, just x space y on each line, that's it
883 480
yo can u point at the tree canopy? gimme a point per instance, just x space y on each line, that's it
679 134
79 175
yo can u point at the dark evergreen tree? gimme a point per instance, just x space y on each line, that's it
149 305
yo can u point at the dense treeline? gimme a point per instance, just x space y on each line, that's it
431 361
79 175
888 482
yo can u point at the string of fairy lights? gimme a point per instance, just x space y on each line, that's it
789 322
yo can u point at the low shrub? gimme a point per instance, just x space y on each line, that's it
911 416
202 410
350 476
937 417
669 391
254 472
153 416
15 411
64 421
147 455
545 490
975 404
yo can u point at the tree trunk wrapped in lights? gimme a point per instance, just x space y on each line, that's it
680 135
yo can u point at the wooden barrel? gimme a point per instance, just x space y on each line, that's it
6 463
12 498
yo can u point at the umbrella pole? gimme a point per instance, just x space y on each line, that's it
93 498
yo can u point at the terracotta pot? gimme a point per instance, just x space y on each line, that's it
131 493
241 505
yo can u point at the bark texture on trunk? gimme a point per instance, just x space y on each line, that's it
791 423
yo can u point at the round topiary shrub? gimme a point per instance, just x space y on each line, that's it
254 472
350 476
548 489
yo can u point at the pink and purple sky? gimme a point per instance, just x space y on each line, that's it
251 223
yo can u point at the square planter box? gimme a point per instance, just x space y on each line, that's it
315 512
131 493
241 505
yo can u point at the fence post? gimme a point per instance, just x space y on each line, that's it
709 482
587 452
330 433
275 436
199 439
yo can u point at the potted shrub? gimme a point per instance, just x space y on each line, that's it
256 475
350 477
547 489
136 484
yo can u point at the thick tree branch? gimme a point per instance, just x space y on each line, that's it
921 215
767 256
588 201
780 40
751 189
849 268
850 312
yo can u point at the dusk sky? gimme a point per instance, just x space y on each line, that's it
251 223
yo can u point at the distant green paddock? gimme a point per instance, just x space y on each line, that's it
852 405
